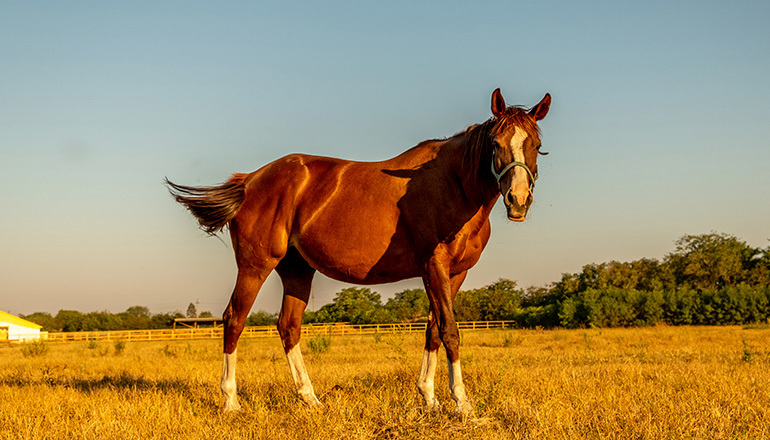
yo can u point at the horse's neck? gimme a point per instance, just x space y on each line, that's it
468 164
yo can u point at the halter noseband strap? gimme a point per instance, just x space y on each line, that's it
499 176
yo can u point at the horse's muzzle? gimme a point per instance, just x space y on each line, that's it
517 216
516 211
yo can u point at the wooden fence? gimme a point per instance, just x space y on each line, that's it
337 329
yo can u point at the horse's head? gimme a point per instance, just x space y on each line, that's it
515 146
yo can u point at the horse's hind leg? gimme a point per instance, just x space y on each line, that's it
297 277
246 288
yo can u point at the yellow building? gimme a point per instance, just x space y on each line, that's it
13 328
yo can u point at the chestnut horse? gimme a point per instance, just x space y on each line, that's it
424 213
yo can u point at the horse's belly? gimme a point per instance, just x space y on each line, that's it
360 254
359 274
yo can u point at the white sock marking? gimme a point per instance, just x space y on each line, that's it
425 383
456 386
228 382
300 376
457 389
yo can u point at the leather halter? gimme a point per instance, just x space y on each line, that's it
499 176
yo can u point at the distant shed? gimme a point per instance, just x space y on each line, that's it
196 322
13 328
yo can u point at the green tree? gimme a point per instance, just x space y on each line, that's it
135 318
568 313
759 267
355 305
711 261
262 318
567 286
164 320
48 322
69 320
680 306
409 305
138 311
497 301
467 306
96 321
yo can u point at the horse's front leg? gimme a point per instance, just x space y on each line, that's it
441 290
425 383
456 386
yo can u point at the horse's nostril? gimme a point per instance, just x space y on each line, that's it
511 198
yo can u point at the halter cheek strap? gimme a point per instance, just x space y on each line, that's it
499 176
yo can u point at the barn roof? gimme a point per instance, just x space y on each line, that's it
7 317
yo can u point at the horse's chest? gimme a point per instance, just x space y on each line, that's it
465 250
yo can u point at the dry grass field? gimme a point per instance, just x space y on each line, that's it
647 383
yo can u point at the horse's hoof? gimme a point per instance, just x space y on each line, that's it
313 402
232 407
433 407
463 410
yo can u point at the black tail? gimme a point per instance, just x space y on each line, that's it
213 206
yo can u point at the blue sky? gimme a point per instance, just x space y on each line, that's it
659 127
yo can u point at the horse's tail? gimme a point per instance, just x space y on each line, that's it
213 206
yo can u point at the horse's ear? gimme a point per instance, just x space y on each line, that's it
498 103
541 109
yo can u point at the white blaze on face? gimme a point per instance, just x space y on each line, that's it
517 148
520 179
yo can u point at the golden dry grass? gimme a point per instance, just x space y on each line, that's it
649 383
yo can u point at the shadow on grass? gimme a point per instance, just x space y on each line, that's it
121 383
118 381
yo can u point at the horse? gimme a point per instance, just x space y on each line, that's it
424 213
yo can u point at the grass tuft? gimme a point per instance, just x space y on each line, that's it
120 345
34 349
319 344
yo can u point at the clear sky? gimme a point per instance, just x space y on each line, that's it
659 127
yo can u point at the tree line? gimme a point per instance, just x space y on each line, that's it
134 318
709 279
